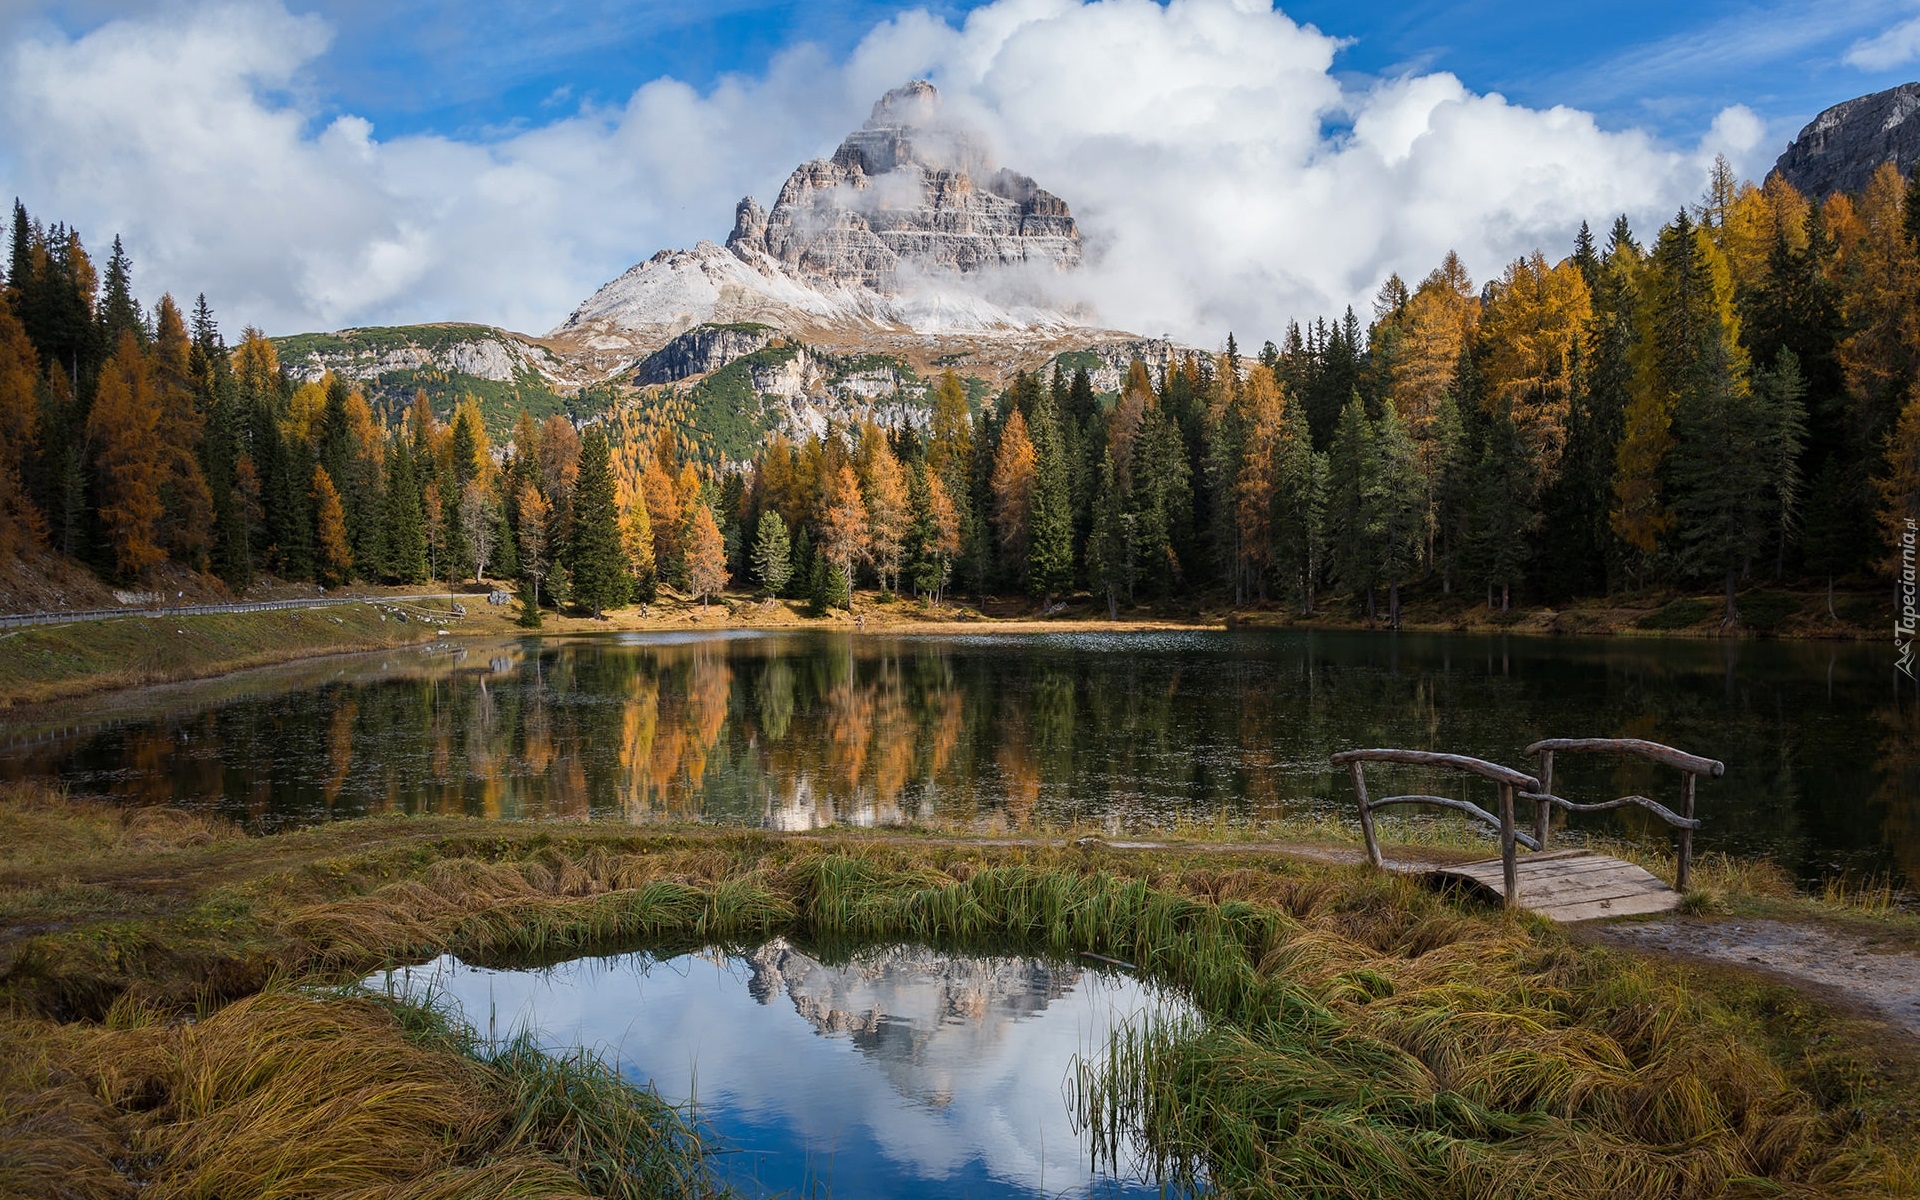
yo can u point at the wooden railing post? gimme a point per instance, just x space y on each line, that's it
1542 811
1366 811
1509 868
1684 872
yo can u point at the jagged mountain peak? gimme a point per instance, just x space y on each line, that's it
908 228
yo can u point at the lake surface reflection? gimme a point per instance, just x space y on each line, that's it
901 1072
1122 730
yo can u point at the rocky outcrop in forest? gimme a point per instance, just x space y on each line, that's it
1840 149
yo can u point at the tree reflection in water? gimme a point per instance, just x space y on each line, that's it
1125 730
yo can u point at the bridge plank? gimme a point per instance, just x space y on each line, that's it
1571 885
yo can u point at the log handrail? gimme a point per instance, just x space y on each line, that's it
1466 806
1431 758
1654 750
1690 766
1653 806
1507 779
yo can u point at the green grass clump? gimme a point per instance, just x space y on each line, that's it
1677 614
1767 611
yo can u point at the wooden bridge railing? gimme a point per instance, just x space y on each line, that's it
1691 767
1509 781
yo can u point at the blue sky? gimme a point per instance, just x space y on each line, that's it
319 163
474 67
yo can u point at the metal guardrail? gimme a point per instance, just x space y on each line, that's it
11 620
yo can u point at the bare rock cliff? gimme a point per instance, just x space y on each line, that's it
906 190
1840 149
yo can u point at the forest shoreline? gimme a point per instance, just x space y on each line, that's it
47 665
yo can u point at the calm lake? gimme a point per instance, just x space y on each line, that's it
1111 730
901 1071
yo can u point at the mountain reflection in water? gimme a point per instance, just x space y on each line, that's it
1112 729
904 1071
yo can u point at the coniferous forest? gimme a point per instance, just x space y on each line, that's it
1731 400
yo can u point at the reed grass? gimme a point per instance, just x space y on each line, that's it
285 1095
1357 1033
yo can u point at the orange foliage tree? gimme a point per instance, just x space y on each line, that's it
128 460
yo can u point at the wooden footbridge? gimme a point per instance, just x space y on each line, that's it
1566 885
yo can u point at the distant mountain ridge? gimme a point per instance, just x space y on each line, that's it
1840 149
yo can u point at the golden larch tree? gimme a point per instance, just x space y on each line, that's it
706 555
21 524
889 508
186 501
1013 476
335 556
1899 487
128 461
1531 330
1262 406
844 523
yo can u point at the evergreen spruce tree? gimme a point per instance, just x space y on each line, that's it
405 539
1300 508
596 558
800 578
1050 516
1717 476
1827 532
1781 414
1110 545
1354 469
119 311
1503 517
772 553
1394 504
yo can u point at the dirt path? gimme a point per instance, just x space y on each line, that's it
1830 963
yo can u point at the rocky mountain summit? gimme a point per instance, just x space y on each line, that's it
908 231
1840 149
905 253
906 190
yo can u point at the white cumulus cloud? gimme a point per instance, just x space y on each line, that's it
1896 47
1223 176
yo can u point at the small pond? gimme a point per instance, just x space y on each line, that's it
901 1071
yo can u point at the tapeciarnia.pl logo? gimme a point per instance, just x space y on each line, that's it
1907 618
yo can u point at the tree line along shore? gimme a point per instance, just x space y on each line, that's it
1728 406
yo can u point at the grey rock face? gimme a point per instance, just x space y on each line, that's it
1840 149
700 350
906 191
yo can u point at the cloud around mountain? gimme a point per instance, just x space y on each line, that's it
1224 174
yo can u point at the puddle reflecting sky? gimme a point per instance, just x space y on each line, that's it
904 1072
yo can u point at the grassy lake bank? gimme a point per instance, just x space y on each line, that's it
43 664
172 984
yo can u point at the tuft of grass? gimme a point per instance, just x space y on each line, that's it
1677 614
289 1095
45 826
1871 895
